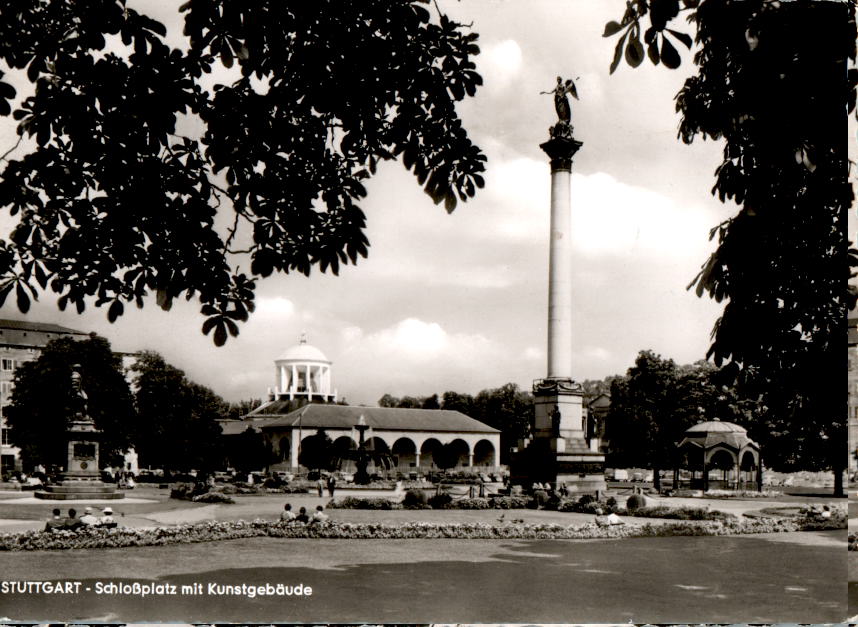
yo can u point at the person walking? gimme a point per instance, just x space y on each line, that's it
320 485
332 485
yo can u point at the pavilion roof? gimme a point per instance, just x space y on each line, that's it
331 416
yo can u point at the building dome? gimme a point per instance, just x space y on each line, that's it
303 352
302 372
716 426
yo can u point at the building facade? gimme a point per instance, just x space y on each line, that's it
20 342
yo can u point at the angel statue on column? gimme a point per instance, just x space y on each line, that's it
561 102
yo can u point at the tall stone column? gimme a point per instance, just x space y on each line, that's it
558 452
560 150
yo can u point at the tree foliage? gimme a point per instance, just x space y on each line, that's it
656 401
249 451
317 451
774 85
44 401
116 202
176 428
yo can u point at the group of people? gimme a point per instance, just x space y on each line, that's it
559 488
331 484
72 522
319 516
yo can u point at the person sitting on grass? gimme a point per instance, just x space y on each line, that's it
55 523
319 516
88 519
107 520
287 515
302 516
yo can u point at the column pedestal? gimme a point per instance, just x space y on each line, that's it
558 451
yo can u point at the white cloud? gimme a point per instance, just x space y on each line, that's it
609 217
278 307
500 63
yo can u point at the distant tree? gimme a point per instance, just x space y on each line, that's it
388 401
455 401
642 419
249 451
410 402
43 401
177 428
773 83
115 203
242 408
507 409
317 452
431 402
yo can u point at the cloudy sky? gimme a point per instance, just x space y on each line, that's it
458 302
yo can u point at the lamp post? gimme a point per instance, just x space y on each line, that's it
362 461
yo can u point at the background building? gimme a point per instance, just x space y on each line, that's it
21 342
302 403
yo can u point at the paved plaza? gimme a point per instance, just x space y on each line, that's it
763 579
787 577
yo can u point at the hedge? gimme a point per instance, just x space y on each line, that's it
213 531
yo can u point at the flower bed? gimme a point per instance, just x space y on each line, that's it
741 494
679 513
442 501
213 531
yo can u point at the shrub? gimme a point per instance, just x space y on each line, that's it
635 501
96 538
360 502
509 502
415 499
680 513
540 499
213 497
474 503
187 491
611 505
440 501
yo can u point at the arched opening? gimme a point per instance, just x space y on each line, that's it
462 452
725 462
378 445
484 453
405 452
428 450
747 470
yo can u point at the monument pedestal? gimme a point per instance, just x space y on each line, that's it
558 451
81 479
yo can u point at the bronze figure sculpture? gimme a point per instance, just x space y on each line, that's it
561 102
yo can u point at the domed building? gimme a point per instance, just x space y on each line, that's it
719 445
302 372
302 403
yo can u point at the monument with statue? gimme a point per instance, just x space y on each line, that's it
81 479
557 451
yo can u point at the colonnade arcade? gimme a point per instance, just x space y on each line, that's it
409 449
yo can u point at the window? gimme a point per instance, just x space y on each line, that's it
6 390
7 364
4 436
